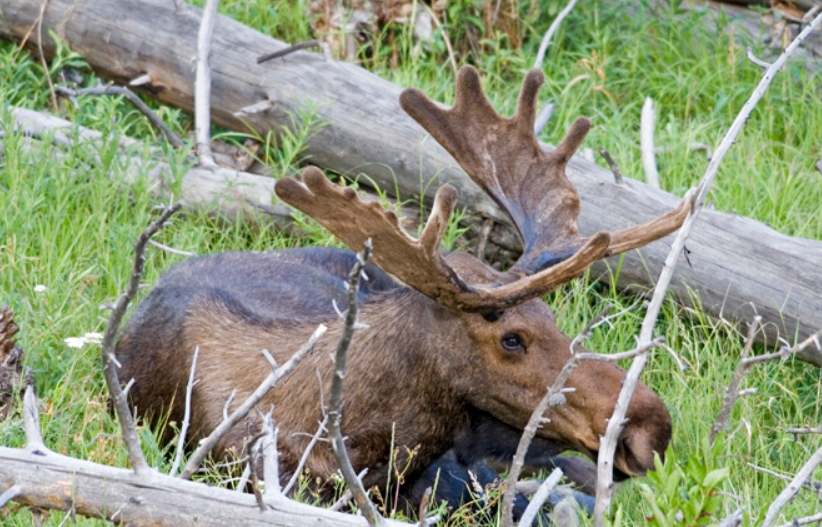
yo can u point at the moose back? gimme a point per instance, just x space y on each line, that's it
453 355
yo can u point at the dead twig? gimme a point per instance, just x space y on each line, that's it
615 425
539 497
805 430
423 510
135 452
287 51
732 393
813 485
543 117
618 179
186 415
134 99
304 459
646 142
271 468
803 521
31 421
335 395
761 63
171 250
546 40
268 383
202 93
793 487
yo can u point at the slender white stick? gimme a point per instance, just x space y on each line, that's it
646 142
803 521
546 40
186 415
202 87
543 117
10 493
223 428
539 498
31 421
271 468
615 425
303 460
793 487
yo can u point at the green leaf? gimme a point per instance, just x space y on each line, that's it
715 477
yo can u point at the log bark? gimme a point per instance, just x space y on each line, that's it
47 480
738 266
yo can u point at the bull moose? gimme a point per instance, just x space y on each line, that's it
453 355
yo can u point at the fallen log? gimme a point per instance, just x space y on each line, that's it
738 266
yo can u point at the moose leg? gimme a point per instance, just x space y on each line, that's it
456 483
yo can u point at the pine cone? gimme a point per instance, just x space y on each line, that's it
11 362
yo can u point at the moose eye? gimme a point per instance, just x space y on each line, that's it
513 342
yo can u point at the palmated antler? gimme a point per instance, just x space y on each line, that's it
529 183
419 263
505 159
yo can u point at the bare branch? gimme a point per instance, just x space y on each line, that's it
803 521
131 97
268 383
615 425
618 179
761 63
812 485
732 393
202 94
271 469
304 459
805 430
543 117
287 51
10 493
646 143
335 394
141 80
546 40
704 147
31 421
793 487
135 453
732 520
423 510
539 497
186 415
171 250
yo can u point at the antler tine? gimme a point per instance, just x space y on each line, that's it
418 263
645 233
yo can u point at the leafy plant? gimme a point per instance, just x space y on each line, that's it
684 492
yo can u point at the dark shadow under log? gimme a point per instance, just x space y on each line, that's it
738 266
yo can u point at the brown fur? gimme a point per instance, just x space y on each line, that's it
414 373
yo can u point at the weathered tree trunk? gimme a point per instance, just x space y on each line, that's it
737 266
46 480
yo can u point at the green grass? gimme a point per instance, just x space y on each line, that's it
66 225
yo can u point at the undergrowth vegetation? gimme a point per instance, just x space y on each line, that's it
67 229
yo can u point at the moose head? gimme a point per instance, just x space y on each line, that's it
453 353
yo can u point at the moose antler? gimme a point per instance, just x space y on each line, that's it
419 263
504 158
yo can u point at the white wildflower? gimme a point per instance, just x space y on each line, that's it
75 342
39 288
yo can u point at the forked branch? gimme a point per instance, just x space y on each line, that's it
135 452
335 396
